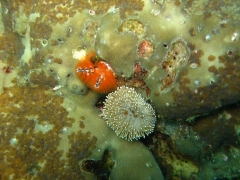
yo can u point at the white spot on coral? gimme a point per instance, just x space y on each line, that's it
193 65
79 54
44 128
196 82
57 87
113 10
149 165
234 36
208 37
155 12
13 141
65 129
224 157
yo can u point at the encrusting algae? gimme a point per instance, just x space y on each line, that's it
31 125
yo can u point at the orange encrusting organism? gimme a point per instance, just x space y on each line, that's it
98 76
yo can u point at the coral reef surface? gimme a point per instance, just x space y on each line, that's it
181 56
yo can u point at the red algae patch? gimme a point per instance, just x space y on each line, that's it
145 49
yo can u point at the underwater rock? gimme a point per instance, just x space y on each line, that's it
212 141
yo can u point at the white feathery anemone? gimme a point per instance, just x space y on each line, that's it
128 114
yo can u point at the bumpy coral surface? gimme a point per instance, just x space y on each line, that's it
31 133
128 114
181 56
177 57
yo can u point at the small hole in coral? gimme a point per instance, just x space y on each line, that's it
60 41
69 75
230 53
91 12
83 91
51 70
165 45
44 42
70 29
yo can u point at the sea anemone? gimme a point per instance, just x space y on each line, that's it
128 114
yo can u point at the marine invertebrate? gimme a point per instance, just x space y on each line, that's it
98 75
65 25
128 114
